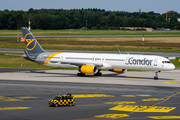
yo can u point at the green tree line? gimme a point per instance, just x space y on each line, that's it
90 18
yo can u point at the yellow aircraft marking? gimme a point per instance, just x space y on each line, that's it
120 102
172 82
112 116
154 99
27 97
2 98
141 108
164 117
92 95
14 108
50 57
29 41
16 73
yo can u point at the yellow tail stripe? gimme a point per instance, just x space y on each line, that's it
50 57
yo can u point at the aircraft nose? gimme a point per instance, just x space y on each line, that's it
172 67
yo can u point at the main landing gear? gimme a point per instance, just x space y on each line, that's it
98 73
156 75
83 74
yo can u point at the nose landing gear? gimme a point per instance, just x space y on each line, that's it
156 75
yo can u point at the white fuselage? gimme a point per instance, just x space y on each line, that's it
111 61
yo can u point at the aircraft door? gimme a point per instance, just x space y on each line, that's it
94 59
61 58
155 61
40 56
126 61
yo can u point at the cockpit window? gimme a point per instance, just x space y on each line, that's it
166 62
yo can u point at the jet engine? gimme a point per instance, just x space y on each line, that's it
88 69
118 70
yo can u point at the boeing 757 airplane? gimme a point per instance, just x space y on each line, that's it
91 63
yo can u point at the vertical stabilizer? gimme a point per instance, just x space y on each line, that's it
32 45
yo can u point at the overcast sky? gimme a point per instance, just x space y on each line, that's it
158 6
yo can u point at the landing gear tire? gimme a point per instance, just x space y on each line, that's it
98 74
155 78
80 74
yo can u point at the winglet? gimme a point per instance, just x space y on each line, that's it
119 51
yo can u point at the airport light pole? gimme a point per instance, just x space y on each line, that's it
143 39
29 25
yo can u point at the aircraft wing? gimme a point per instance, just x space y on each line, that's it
82 63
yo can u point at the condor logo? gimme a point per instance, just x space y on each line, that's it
30 42
139 61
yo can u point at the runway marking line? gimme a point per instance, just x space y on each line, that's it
92 95
172 82
22 98
112 116
144 95
14 108
164 117
27 97
121 102
3 98
128 95
91 105
140 95
15 73
154 99
161 101
137 78
141 108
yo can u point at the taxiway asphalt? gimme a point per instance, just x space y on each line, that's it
24 94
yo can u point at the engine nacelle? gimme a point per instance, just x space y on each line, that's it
118 70
88 69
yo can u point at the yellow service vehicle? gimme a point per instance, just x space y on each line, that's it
61 100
